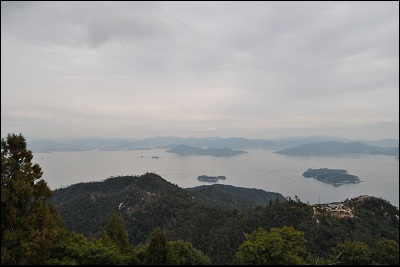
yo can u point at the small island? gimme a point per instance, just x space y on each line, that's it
184 150
333 176
212 179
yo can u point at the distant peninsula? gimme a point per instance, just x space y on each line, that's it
333 148
185 150
333 176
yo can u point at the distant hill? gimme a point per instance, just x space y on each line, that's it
239 142
185 150
85 144
389 142
338 148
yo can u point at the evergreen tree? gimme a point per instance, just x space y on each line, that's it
158 251
116 233
29 225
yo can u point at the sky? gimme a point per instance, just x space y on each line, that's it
199 69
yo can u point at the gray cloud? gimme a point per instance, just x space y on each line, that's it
251 69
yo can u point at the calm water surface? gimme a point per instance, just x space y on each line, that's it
261 169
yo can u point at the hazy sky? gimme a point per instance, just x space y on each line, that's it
196 69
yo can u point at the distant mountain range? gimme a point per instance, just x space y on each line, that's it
185 150
338 148
90 143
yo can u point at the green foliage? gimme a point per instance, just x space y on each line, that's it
116 233
29 225
280 246
183 253
374 219
235 197
352 253
138 255
385 252
76 249
158 251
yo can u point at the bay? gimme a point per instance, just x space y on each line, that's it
258 168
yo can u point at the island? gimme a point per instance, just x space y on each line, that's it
212 179
333 176
184 150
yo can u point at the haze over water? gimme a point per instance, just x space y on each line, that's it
260 169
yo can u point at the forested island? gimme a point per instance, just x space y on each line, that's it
212 179
185 150
333 176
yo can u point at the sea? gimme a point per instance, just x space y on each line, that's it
258 168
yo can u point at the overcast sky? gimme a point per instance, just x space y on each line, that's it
196 69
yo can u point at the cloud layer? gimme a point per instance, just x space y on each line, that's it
248 69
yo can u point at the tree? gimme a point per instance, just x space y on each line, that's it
137 255
158 251
75 249
185 254
116 233
29 225
280 246
386 251
352 253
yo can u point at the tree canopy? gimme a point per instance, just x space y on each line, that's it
280 246
158 250
29 225
116 233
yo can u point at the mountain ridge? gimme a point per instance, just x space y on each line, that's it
90 143
338 148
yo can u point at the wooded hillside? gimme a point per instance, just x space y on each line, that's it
215 218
